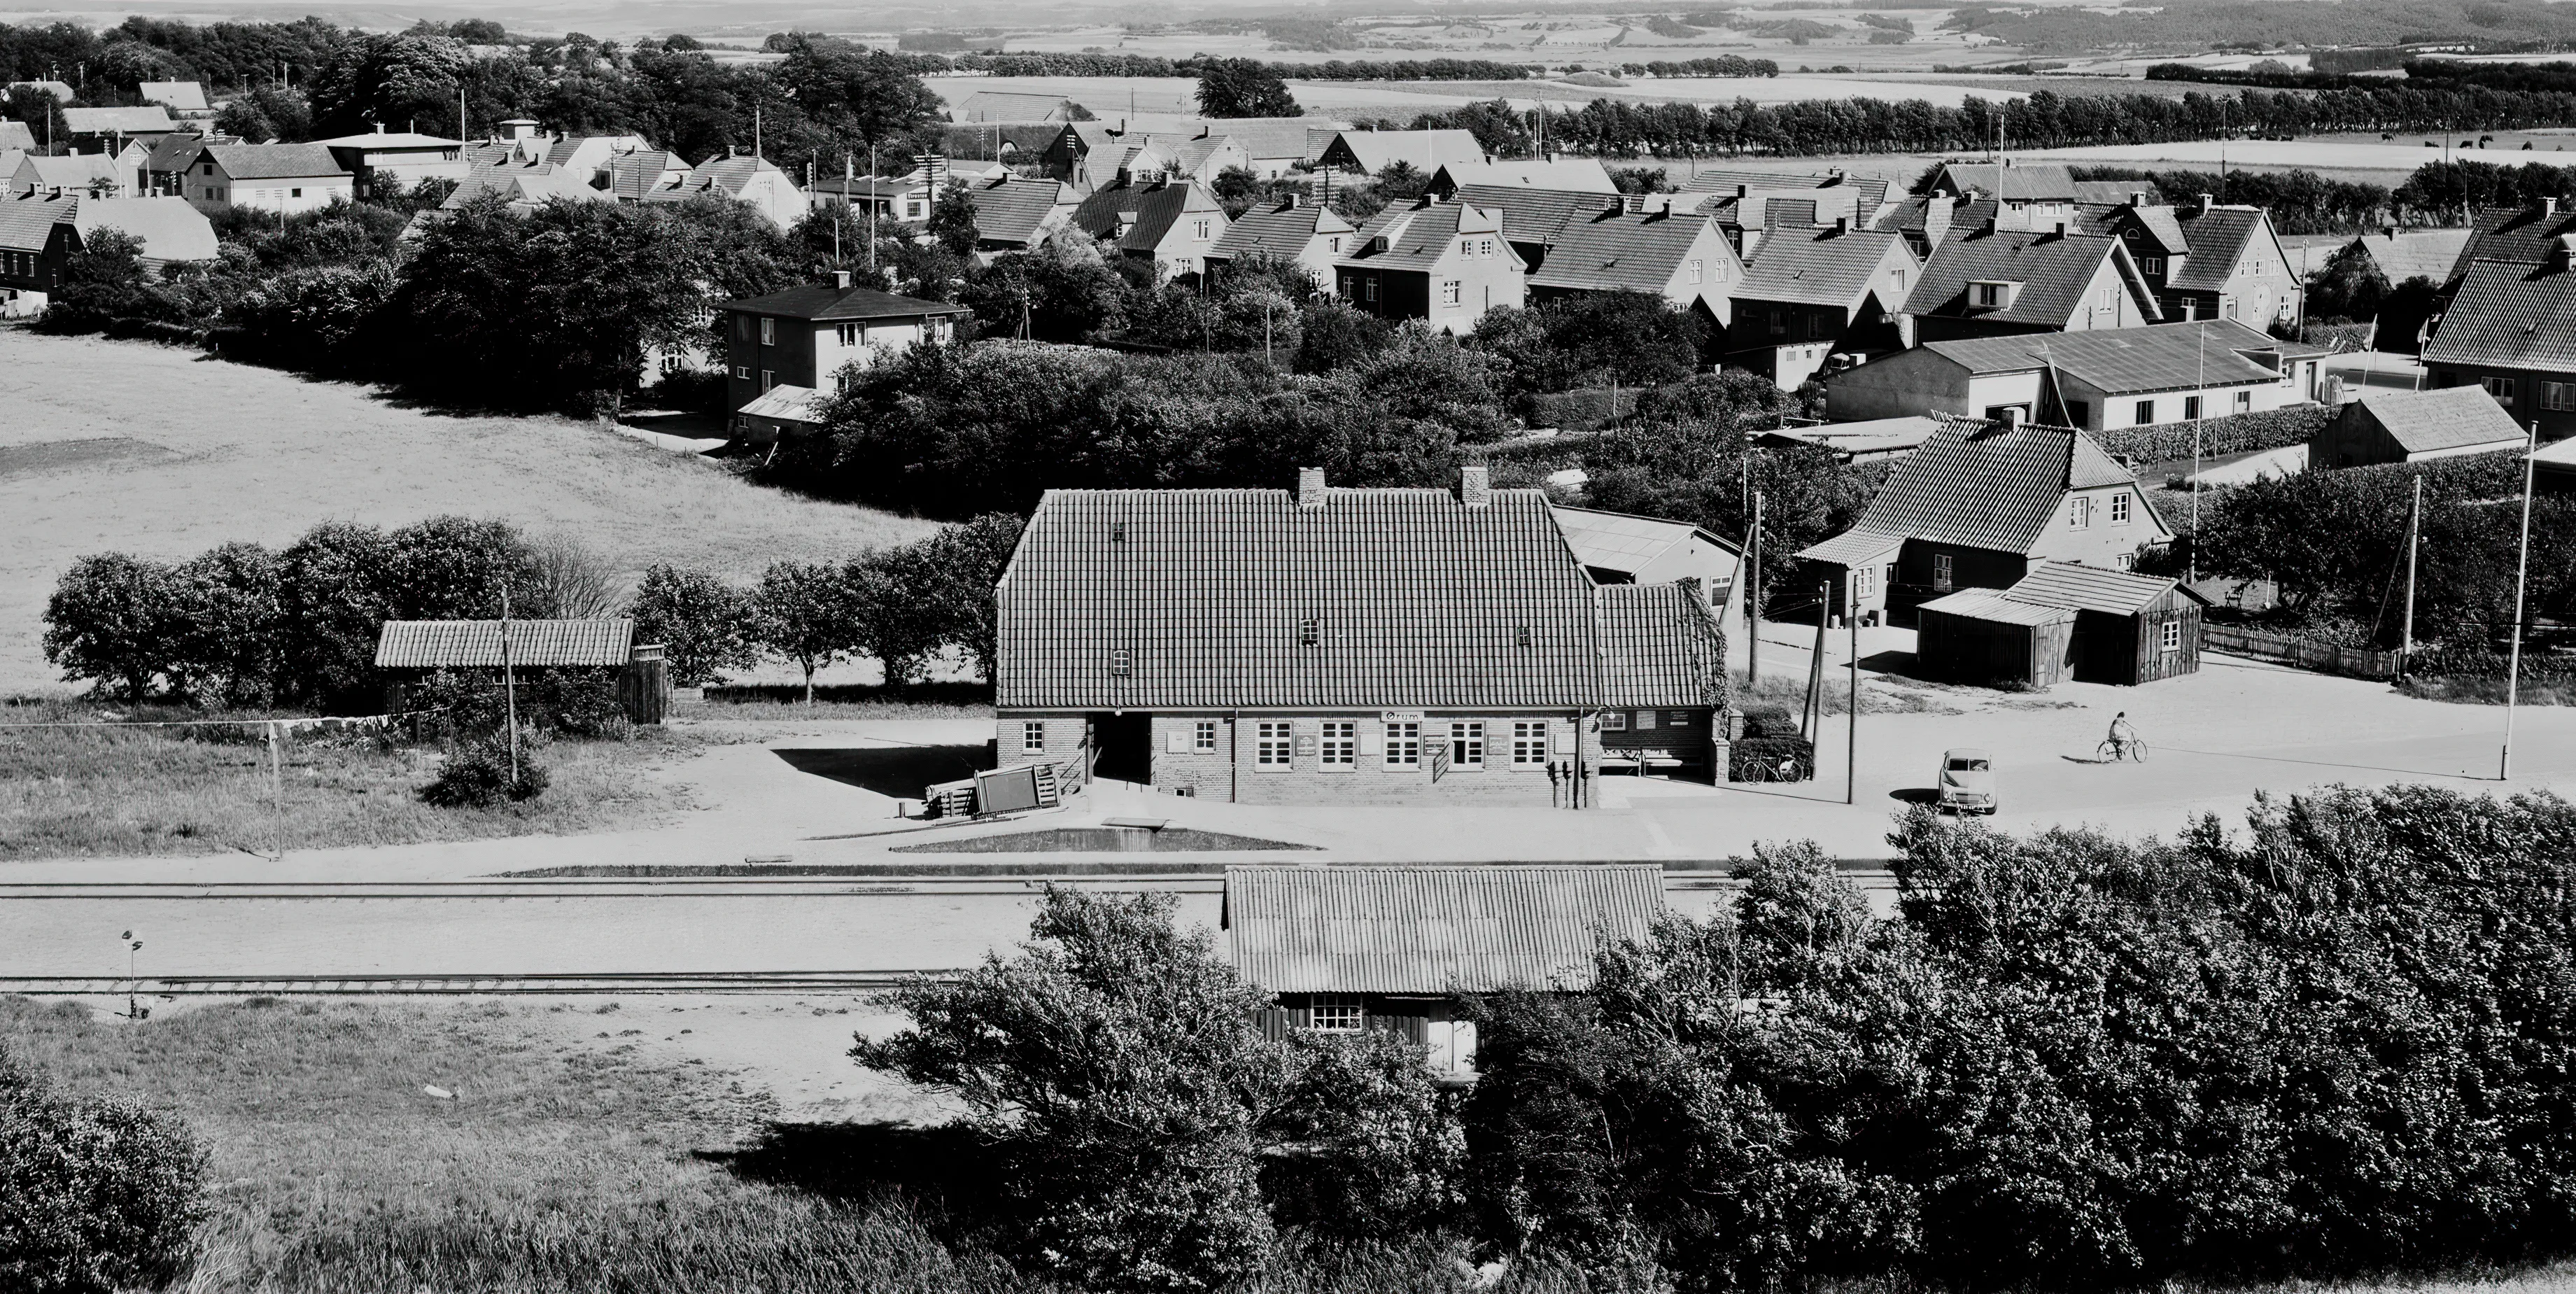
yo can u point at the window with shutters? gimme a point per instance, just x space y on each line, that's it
1340 745
1466 745
1404 745
1529 741
1272 745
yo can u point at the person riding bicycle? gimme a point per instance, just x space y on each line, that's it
2123 737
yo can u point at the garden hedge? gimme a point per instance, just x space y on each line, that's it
2164 442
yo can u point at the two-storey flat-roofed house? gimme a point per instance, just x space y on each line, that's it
1172 224
1676 255
805 336
1992 282
1445 263
382 159
286 178
1288 229
1976 507
1816 293
1381 646
2124 377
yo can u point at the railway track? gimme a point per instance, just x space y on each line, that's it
642 982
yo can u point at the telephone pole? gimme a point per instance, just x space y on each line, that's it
1851 743
1753 597
510 689
2521 575
2414 540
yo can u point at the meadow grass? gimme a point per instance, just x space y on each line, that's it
114 790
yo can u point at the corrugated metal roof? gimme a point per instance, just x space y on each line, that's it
2444 418
2053 272
1433 930
787 402
476 644
1985 485
2118 361
1991 604
1824 268
2509 314
2089 588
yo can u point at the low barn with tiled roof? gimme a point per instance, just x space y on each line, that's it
1337 646
1978 506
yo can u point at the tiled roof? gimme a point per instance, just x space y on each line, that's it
1823 268
824 303
169 228
2118 361
2444 418
1418 599
1014 211
2053 270
1572 175
1986 485
2116 191
2013 183
1154 206
725 175
2218 237
1418 236
27 223
1872 192
179 96
2164 232
1282 230
1991 604
1424 150
1534 215
2412 253
632 176
1630 251
1009 106
70 171
275 161
1787 211
2509 315
1433 930
2089 588
1659 646
2526 235
472 644
151 119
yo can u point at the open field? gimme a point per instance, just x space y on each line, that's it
161 452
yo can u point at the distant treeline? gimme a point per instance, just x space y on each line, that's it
2303 202
1427 69
2445 73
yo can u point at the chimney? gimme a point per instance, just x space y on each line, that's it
2059 229
1475 486
2200 204
1310 487
2138 199
2549 206
2562 253
2012 416
841 280
2389 231
1633 203
1842 226
380 127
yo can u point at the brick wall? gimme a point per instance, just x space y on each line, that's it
1234 766
1064 735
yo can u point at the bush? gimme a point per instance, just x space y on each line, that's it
2164 442
95 1195
478 777
1757 759
688 390
115 619
702 623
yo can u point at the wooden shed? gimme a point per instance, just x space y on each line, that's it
1984 637
2412 426
2129 628
1397 948
408 650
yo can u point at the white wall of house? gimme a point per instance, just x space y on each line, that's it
290 195
2104 526
863 344
2096 410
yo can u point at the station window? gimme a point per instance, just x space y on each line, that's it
1340 745
1404 745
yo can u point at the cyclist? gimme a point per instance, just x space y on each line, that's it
2122 735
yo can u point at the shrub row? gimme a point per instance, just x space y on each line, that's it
2241 433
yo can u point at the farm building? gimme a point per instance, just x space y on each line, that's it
1381 646
410 650
2099 380
2063 621
2412 426
1350 949
1426 151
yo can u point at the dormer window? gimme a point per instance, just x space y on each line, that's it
1991 294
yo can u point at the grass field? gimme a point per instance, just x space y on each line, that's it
105 791
162 452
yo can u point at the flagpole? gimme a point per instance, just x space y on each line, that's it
2521 574
2199 413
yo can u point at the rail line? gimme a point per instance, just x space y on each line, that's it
691 982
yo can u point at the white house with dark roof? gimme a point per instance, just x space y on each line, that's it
382 157
1381 646
2127 377
1173 225
2509 324
1401 949
287 178
1290 229
1445 263
756 182
2413 426
1992 281
1676 255
1977 506
1816 293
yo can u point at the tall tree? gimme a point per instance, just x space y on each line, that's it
802 611
1243 87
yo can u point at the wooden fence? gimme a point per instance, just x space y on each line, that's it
2332 658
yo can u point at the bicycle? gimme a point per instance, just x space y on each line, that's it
2109 752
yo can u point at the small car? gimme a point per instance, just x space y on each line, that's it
1967 782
